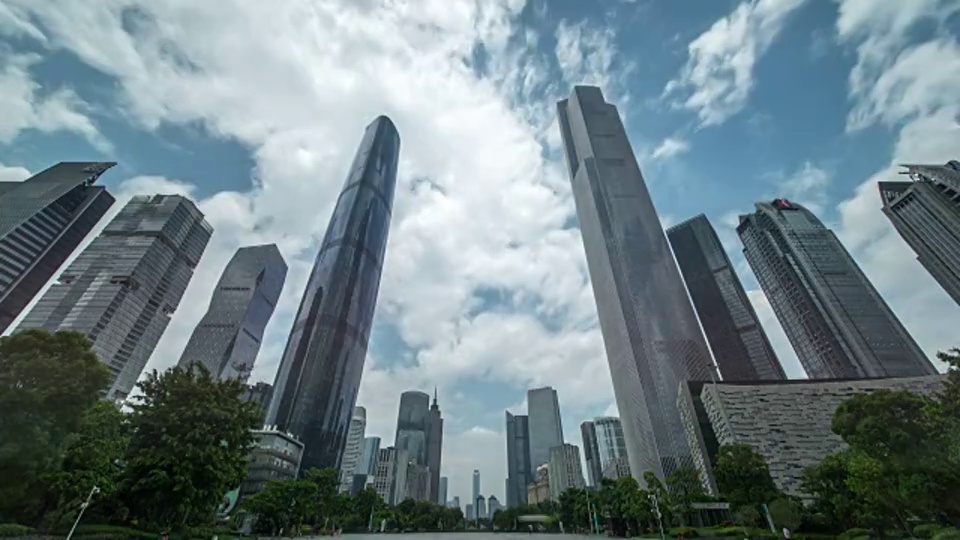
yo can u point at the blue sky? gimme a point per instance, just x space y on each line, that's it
256 108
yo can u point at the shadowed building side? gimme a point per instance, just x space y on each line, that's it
319 376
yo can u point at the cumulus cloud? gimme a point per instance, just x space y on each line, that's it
670 147
296 83
807 185
718 76
13 173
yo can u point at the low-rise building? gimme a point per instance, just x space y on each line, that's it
538 491
275 456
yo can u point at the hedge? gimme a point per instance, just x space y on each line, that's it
9 530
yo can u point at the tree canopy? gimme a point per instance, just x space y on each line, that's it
743 477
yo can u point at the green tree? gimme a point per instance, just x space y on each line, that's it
743 477
839 507
327 481
92 458
282 505
189 445
785 513
685 489
47 381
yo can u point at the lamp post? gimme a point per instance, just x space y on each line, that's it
83 506
656 512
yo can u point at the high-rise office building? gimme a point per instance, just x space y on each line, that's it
353 449
476 488
368 457
610 440
519 472
836 321
739 344
435 449
123 288
442 491
413 427
259 393
564 469
591 457
390 481
926 213
649 329
319 375
493 505
469 512
481 507
42 221
543 423
227 339
455 502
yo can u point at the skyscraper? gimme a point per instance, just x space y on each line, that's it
739 344
649 330
588 432
926 213
319 375
434 449
519 472
564 469
413 427
442 491
42 221
353 449
368 457
227 339
610 440
476 488
543 422
122 290
835 320
390 482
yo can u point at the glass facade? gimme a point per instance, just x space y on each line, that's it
610 441
543 421
926 213
836 321
435 450
413 425
42 221
739 344
649 329
319 375
519 473
123 288
353 449
228 337
588 433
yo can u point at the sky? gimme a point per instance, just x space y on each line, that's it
254 109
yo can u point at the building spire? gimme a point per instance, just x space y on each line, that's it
434 395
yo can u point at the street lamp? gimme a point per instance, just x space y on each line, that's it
83 506
656 512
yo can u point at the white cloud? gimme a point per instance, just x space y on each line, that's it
296 83
670 147
718 75
26 106
585 53
13 173
808 186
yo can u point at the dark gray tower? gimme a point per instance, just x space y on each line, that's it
739 344
519 473
835 320
435 450
413 424
123 288
319 376
42 221
926 213
545 426
650 332
591 454
228 337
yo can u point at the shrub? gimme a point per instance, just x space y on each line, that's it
856 533
726 531
927 530
8 530
687 532
110 532
947 534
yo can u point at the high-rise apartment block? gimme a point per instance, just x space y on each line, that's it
543 422
319 375
519 472
926 213
565 469
123 288
353 449
227 339
42 221
835 319
649 329
739 344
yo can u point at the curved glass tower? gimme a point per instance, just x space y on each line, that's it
319 376
649 329
227 339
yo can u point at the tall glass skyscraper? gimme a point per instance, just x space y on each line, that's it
319 376
123 288
835 320
412 425
353 449
650 332
519 473
435 450
543 421
603 442
588 432
227 340
42 221
926 213
739 344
